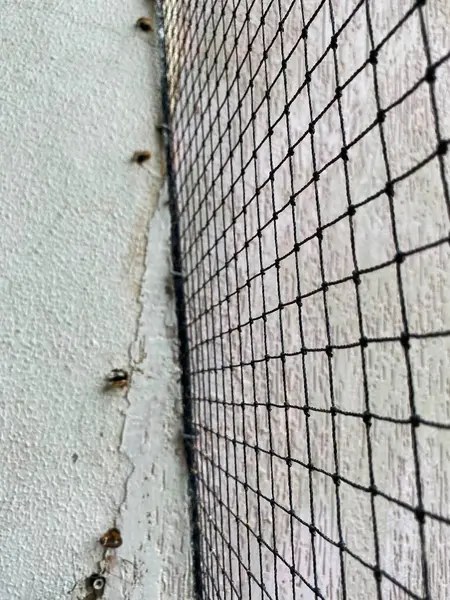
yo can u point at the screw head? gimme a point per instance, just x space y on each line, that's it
117 378
97 584
111 539
145 24
141 156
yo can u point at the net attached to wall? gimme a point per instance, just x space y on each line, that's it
310 201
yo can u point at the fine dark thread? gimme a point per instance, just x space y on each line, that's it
367 422
324 290
401 296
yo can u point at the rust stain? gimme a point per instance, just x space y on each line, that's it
135 261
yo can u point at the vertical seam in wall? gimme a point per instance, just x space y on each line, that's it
180 308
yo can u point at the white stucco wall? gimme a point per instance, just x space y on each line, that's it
84 261
84 256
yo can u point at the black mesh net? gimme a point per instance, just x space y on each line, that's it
308 169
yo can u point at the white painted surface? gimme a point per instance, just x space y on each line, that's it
84 256
421 218
80 293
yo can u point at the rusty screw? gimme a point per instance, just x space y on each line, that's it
141 156
145 24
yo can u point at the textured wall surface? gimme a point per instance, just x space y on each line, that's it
219 122
84 261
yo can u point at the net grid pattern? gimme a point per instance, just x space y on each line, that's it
261 134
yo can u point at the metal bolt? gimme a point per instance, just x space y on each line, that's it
98 584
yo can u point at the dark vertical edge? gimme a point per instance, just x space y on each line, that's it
180 307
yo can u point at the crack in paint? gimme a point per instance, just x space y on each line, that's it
138 342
